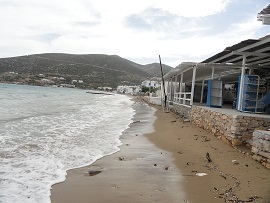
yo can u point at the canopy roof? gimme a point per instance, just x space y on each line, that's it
228 63
226 72
257 52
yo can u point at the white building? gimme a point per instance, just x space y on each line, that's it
105 88
264 16
151 83
46 81
76 81
128 89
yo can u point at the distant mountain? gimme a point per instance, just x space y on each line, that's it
154 69
94 69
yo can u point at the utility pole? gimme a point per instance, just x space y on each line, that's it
165 96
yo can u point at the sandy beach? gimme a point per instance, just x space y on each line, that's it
177 162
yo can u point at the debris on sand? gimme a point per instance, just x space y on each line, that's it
180 152
93 172
235 162
201 174
121 158
208 157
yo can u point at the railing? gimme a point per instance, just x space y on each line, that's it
182 98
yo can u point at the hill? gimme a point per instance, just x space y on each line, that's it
93 69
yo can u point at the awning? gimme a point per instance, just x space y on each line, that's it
224 72
257 54
228 63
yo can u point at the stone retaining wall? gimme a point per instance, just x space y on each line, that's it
261 147
183 111
235 129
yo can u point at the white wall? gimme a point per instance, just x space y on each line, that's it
150 83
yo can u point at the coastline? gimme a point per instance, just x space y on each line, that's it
136 173
161 166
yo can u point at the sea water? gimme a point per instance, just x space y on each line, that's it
45 131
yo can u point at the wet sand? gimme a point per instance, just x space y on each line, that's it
163 166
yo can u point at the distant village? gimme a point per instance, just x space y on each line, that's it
148 86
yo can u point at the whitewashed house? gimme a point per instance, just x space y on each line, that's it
128 89
153 82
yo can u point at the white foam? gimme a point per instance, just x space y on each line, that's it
37 150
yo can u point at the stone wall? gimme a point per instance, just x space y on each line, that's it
183 111
261 147
235 129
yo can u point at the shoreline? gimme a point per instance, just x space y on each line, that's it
136 173
161 166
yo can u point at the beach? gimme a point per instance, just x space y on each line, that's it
175 161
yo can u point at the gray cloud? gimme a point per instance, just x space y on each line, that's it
173 26
148 19
47 37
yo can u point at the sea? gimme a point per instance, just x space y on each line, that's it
45 131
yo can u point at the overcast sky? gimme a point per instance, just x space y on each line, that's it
138 30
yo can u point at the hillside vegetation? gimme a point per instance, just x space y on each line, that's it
93 69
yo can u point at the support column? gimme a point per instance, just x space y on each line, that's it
181 86
175 84
170 89
193 84
213 72
202 92
241 86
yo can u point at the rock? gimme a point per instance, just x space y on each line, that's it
235 162
207 139
236 142
186 120
257 157
267 165
121 158
93 172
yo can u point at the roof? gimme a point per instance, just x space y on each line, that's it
257 54
228 63
264 15
226 72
